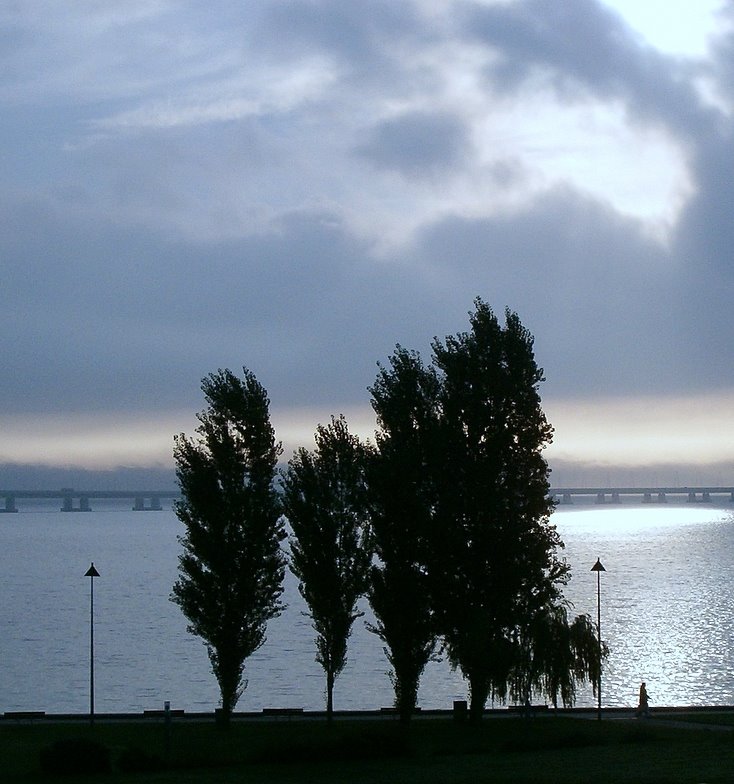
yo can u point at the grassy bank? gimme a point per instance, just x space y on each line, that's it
551 749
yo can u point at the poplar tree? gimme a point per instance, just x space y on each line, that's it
493 554
325 501
232 567
405 400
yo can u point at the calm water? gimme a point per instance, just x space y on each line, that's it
667 614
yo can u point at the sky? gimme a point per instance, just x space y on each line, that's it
296 186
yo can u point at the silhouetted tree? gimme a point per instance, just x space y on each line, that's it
555 655
405 400
325 501
493 547
232 567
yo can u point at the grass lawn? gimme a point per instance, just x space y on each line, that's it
549 749
722 719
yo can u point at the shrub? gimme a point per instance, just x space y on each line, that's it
74 756
532 743
638 735
368 746
137 760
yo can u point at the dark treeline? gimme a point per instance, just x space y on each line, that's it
443 523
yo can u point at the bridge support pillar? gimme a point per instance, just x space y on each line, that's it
155 504
662 499
9 504
600 498
615 498
68 506
568 500
647 498
706 498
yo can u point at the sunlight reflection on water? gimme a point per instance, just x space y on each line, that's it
666 599
666 614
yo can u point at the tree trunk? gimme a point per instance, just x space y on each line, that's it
228 677
222 718
406 698
479 689
329 696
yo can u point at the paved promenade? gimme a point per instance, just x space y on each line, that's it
663 716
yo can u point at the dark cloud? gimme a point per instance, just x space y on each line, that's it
598 294
705 231
303 305
418 144
721 70
360 39
310 308
585 474
212 208
585 47
703 253
19 476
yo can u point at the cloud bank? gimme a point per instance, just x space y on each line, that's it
298 185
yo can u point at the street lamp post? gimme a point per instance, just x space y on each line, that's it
598 568
91 573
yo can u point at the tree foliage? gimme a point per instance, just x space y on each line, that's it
404 398
494 555
461 519
445 524
232 567
325 500
554 655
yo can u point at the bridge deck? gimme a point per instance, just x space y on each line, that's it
563 495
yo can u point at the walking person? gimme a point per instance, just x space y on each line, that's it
643 708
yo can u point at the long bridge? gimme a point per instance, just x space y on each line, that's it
646 495
150 500
80 500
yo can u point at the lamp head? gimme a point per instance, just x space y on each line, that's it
91 572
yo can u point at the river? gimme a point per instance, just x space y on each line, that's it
666 608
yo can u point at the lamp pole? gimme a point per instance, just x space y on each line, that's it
91 573
598 568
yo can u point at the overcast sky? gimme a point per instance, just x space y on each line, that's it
298 185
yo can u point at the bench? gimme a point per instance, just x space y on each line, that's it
527 709
286 712
24 715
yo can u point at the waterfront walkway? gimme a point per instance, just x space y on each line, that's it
663 716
